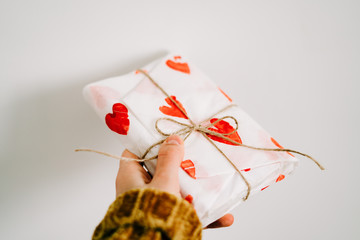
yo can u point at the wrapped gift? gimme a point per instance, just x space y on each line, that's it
171 95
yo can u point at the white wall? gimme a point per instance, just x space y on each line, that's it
292 65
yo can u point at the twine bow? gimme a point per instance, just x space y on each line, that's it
204 129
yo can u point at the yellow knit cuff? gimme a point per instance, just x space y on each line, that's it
149 214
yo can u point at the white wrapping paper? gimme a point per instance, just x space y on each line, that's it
131 104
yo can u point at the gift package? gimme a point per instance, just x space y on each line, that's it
225 161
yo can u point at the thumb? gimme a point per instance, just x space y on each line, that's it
171 153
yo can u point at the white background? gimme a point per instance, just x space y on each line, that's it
292 65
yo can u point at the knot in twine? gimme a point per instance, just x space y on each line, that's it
187 129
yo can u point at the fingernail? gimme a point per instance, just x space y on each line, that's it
175 140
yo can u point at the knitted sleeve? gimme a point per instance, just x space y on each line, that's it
149 214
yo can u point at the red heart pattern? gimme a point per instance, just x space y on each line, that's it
178 66
281 177
189 198
279 146
118 121
224 127
188 167
264 188
173 110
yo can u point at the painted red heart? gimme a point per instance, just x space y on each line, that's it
118 121
264 188
279 146
246 169
188 167
178 66
173 110
224 127
189 198
281 177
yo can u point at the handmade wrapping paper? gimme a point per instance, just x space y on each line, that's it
130 105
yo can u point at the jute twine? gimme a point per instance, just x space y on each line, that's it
187 129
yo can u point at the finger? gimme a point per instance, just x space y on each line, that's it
130 174
226 221
171 153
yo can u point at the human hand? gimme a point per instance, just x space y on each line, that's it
132 175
